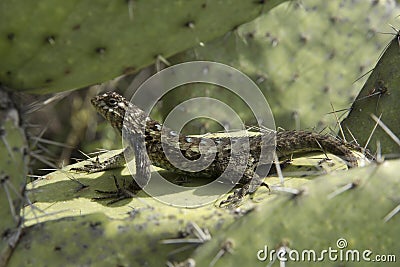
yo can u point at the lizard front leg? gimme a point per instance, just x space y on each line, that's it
137 151
96 165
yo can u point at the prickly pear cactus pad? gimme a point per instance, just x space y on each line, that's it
129 233
13 171
379 98
56 46
303 56
348 212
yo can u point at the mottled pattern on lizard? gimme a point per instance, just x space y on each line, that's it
144 134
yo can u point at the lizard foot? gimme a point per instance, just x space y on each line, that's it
121 193
236 198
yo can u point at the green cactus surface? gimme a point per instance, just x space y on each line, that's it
304 57
58 46
13 172
350 212
379 99
130 232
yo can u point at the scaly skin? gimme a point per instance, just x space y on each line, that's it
144 135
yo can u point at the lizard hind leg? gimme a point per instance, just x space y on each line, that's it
248 188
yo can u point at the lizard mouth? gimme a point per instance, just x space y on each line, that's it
100 105
111 106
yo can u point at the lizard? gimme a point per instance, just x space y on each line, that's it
147 146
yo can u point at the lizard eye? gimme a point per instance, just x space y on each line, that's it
112 102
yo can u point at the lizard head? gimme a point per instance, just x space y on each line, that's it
119 112
112 107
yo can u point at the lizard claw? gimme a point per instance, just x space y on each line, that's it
236 198
119 194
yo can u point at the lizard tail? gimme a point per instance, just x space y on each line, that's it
292 142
